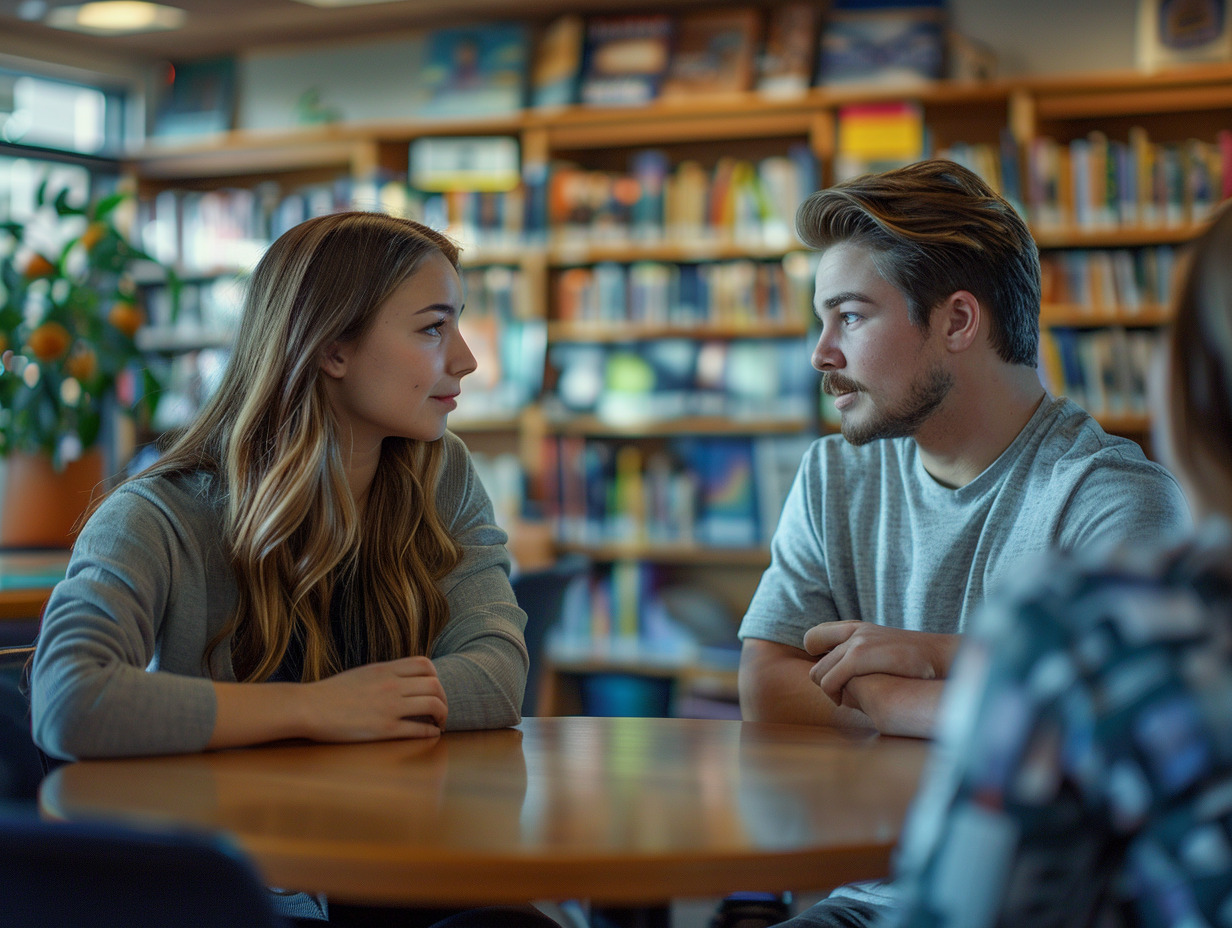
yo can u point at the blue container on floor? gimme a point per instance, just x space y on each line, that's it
626 695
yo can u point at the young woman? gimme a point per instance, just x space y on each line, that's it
314 557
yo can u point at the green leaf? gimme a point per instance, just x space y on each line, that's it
107 205
62 205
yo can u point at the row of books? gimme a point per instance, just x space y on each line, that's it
1122 280
631 59
1096 183
657 381
1103 370
709 491
229 228
745 201
741 293
737 199
508 342
625 612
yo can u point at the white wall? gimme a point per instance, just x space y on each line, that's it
1052 36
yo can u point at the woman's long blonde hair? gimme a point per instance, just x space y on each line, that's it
291 525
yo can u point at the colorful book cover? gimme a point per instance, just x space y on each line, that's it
785 66
713 52
878 137
625 59
890 46
727 515
474 71
558 62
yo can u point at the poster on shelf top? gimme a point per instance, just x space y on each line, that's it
199 98
1179 32
713 53
899 43
626 59
474 71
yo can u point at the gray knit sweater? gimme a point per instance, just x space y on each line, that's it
119 665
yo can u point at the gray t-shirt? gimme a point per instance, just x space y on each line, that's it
867 533
119 665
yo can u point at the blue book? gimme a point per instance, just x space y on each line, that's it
473 71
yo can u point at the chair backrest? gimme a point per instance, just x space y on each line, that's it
15 664
78 874
541 594
22 765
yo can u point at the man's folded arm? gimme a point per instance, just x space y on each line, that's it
775 687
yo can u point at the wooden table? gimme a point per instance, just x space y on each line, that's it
620 811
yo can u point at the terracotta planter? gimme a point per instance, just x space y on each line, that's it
40 507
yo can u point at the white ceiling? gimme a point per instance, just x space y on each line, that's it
217 27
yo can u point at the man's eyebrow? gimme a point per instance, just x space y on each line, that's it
847 296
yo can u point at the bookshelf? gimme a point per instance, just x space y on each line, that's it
577 230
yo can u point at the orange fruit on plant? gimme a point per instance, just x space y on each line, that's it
126 316
82 363
93 234
38 266
49 341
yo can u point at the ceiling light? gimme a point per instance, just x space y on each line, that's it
117 17
345 2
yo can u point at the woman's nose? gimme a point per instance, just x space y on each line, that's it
462 360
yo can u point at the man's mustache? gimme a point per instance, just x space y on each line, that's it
836 384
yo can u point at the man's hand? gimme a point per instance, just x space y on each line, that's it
853 649
896 705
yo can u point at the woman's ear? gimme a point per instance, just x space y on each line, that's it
961 316
334 360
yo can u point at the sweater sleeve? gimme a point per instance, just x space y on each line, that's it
481 655
107 679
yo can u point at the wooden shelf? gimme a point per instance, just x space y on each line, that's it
671 554
1115 237
1125 423
591 332
1078 316
692 425
695 251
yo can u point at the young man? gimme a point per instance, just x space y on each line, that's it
954 467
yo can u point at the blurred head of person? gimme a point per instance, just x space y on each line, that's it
1192 392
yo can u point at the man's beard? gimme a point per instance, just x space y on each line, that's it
925 397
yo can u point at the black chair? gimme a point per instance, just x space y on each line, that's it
22 764
541 594
95 875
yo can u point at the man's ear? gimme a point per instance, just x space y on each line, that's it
334 360
960 317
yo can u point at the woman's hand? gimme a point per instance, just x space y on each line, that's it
376 702
394 699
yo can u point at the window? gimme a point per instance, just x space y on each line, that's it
48 113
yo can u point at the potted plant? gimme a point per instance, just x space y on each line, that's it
69 314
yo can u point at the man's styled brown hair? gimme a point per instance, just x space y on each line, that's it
934 228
